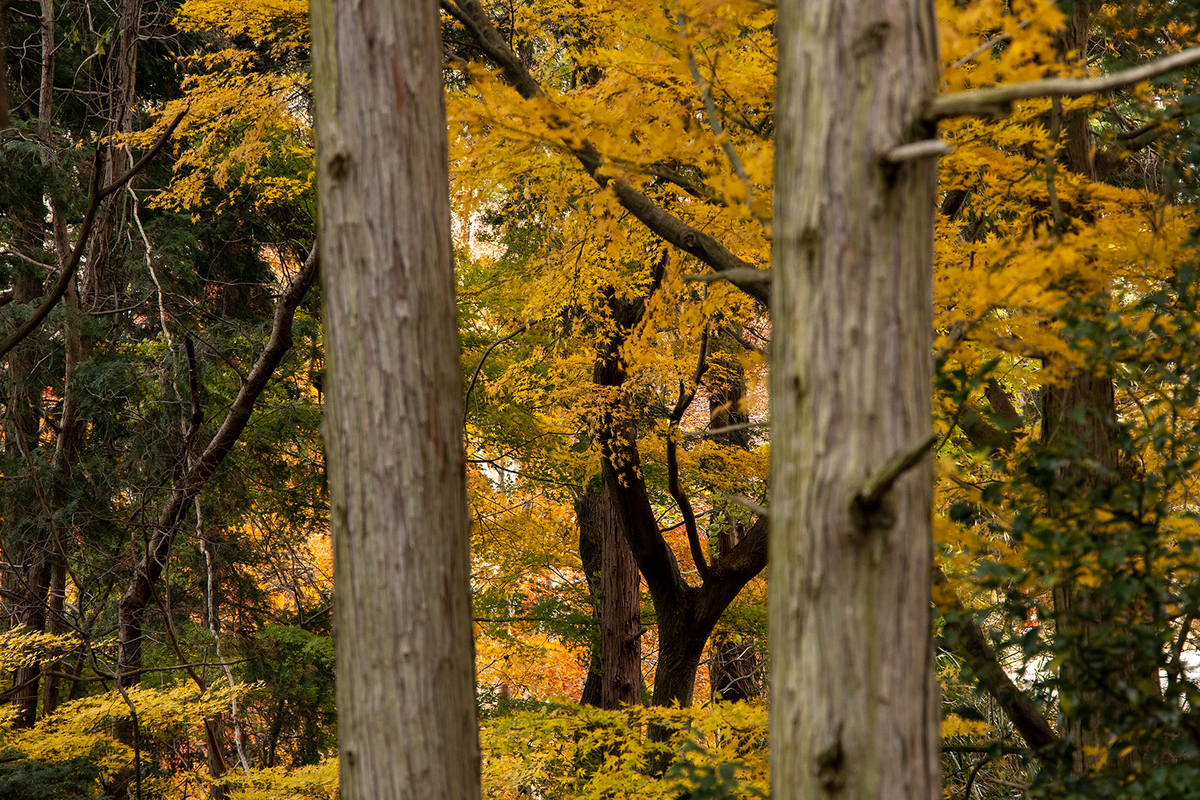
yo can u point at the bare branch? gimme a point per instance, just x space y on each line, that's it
998 101
479 366
686 395
754 282
89 219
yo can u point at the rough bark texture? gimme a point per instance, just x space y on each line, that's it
854 701
620 617
589 515
615 669
394 438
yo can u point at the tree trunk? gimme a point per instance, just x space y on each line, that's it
398 503
615 587
854 700
620 614
589 514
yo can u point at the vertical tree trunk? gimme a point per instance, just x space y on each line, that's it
55 625
620 617
589 515
398 505
27 548
854 701
98 273
615 669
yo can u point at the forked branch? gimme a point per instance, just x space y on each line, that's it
686 395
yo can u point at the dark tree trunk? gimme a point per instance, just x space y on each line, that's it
615 674
589 514
732 664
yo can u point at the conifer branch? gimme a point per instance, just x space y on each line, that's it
997 101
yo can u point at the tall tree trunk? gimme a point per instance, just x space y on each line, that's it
398 503
98 273
55 625
589 517
1079 416
854 700
28 547
615 667
620 616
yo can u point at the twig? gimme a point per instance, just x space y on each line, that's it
714 121
479 366
988 45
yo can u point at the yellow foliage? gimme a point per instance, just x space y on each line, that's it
586 753
21 647
954 725
316 782
84 727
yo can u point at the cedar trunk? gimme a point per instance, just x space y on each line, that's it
854 701
394 438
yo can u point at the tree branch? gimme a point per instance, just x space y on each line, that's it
754 282
89 219
479 366
871 494
714 122
681 499
149 568
967 638
998 101
667 226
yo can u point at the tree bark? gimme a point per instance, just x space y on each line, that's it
589 513
394 437
614 582
620 615
854 701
